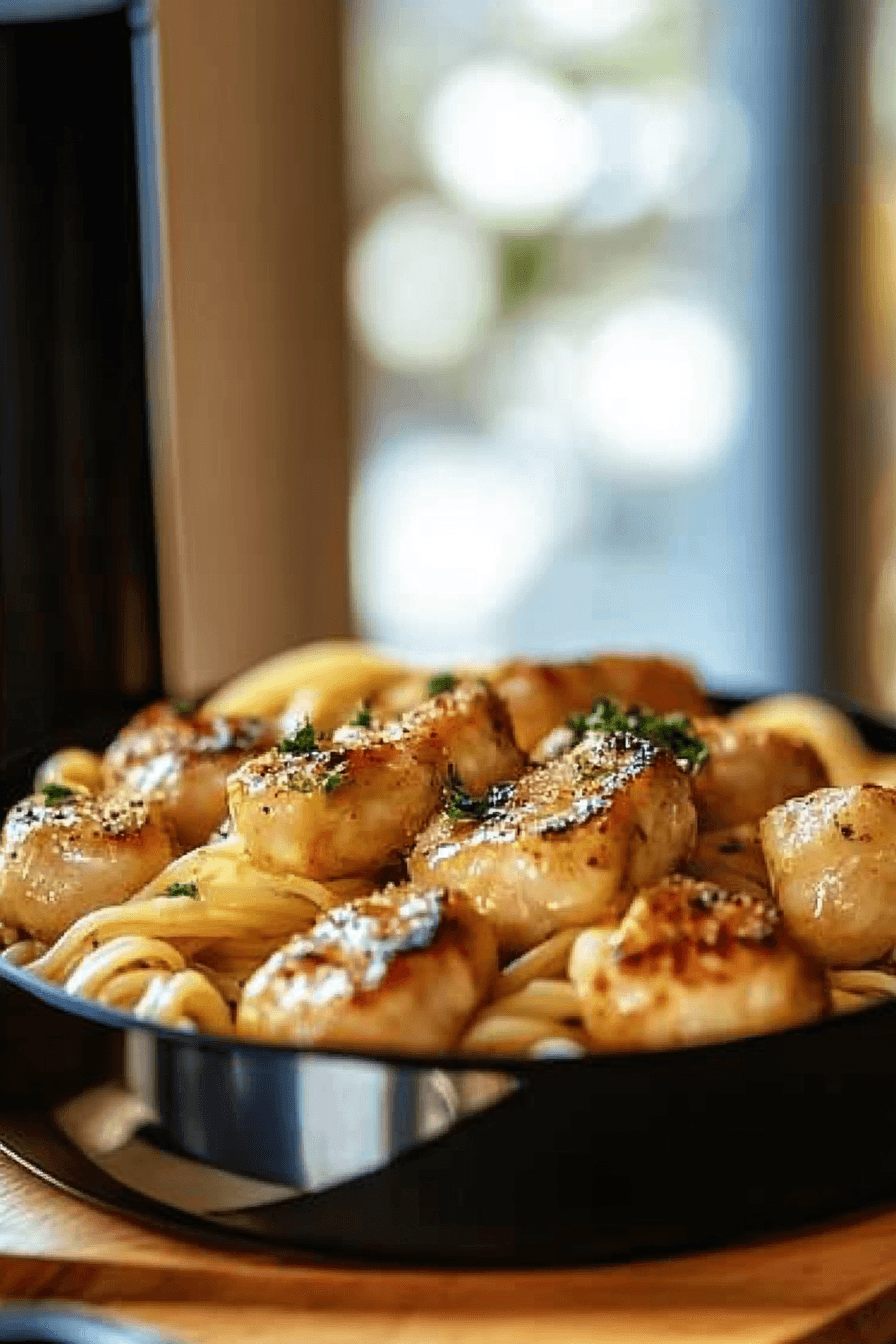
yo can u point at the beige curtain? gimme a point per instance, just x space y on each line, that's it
247 356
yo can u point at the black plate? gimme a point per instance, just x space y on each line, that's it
509 1162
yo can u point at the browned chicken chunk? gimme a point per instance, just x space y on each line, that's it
351 802
692 963
832 862
185 758
541 696
748 771
63 854
404 969
568 843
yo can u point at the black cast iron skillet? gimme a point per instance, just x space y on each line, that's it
448 1160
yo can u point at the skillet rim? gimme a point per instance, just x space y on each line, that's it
451 1062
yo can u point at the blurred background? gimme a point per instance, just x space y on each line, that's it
470 326
583 280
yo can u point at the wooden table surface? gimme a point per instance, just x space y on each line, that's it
832 1286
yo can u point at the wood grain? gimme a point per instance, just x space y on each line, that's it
829 1285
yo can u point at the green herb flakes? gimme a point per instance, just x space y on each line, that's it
671 731
443 681
301 743
463 806
182 889
57 793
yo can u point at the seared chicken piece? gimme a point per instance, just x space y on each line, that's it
732 859
832 862
692 963
185 758
568 843
404 969
541 696
673 731
748 771
463 727
334 811
64 853
407 693
466 730
352 802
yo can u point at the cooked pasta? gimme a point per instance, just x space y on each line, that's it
547 1000
187 996
833 735
232 935
107 961
515 1034
74 768
328 675
546 959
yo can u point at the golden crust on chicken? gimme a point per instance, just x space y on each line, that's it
351 802
185 759
567 843
691 963
832 862
64 853
748 771
540 696
403 969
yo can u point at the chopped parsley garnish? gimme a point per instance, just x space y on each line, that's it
183 889
184 708
578 726
443 681
605 717
334 779
463 806
672 731
301 743
57 793
362 718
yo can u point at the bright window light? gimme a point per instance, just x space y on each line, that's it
882 85
509 143
695 148
530 374
447 530
684 152
663 389
624 189
422 285
569 25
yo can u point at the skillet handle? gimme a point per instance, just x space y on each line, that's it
325 1118
298 1121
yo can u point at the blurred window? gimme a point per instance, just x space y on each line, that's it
564 281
